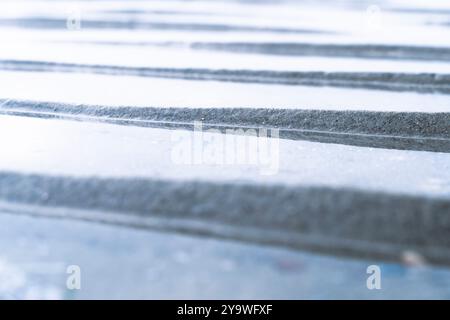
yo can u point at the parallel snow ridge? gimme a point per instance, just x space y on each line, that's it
332 50
319 219
391 130
426 83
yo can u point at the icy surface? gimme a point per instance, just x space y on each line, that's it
122 263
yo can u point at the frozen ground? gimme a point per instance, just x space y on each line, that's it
124 263
101 168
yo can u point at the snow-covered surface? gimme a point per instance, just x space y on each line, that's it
152 92
67 148
122 262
